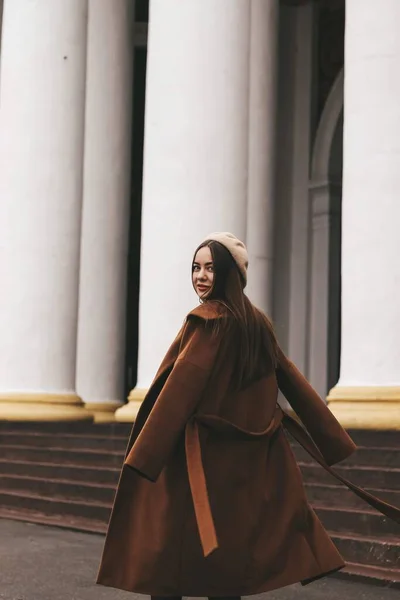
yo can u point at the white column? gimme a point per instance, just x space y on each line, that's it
325 242
196 156
42 91
292 210
368 392
325 198
262 119
106 203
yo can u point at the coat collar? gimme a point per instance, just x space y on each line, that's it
211 310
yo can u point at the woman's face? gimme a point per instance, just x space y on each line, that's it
203 272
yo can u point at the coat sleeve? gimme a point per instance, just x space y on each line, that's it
176 402
331 439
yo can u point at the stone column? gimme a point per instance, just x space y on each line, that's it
195 162
324 341
325 243
43 66
106 203
262 119
292 209
368 391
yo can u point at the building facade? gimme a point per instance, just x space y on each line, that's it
128 132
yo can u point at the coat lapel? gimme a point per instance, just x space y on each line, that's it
155 388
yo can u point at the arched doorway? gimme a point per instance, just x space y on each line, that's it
325 231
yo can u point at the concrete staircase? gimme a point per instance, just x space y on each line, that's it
369 542
62 474
65 474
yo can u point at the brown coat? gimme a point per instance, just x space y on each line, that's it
210 500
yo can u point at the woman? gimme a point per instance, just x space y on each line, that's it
210 500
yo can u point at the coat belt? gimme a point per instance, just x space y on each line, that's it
197 478
195 468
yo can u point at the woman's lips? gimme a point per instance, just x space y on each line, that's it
203 288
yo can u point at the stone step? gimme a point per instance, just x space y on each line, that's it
62 521
62 440
68 427
94 450
57 488
378 576
365 476
62 455
341 497
74 472
377 438
365 523
375 457
369 551
55 506
367 438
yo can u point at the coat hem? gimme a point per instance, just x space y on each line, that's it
305 582
209 592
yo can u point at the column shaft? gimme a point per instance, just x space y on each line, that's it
42 91
325 278
196 157
106 204
262 119
368 392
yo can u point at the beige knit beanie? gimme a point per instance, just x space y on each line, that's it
235 247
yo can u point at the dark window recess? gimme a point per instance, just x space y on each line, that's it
142 11
133 280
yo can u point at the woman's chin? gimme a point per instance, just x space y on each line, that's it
203 295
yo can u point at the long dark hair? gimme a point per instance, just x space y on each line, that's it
258 348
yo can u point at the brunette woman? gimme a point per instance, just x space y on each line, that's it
210 500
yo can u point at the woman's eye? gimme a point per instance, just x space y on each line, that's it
211 269
195 268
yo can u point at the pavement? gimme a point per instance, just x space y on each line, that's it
49 563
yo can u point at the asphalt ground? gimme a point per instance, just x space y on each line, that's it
49 563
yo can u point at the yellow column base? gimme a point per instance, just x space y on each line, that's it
102 412
42 407
128 412
369 407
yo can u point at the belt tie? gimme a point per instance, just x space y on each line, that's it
195 468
